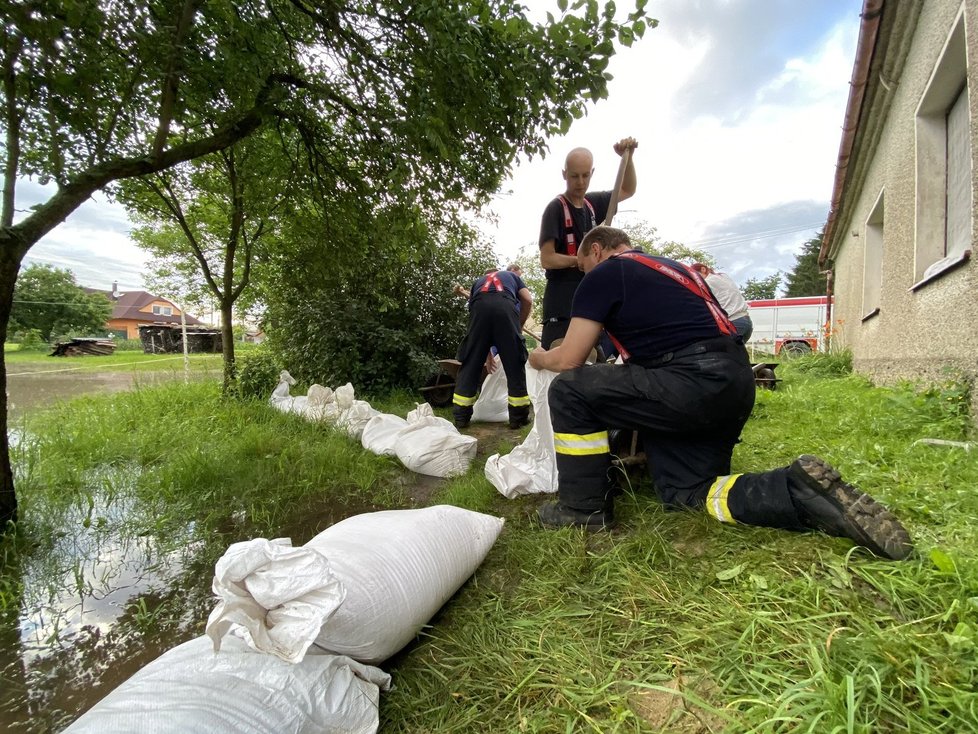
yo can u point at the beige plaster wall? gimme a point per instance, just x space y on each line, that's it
916 333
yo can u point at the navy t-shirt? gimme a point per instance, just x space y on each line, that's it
510 281
649 313
552 227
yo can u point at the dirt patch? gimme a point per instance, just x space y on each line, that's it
670 711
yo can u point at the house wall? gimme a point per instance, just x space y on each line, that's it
131 327
916 333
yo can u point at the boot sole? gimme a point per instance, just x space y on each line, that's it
869 523
591 527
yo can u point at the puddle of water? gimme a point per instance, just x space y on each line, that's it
106 600
27 392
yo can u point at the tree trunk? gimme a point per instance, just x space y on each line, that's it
227 347
9 267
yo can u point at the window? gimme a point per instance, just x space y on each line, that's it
873 261
162 310
944 180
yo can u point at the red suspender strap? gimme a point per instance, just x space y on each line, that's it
569 225
691 280
493 279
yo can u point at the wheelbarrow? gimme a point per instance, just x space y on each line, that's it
764 375
440 387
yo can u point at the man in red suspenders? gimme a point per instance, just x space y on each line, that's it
565 222
499 305
688 388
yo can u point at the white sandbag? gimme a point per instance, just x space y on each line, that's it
423 415
531 467
380 433
193 690
492 405
395 569
355 418
344 396
319 395
435 449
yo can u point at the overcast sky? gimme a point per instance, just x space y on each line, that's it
737 106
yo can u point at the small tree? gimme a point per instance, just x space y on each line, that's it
48 300
758 289
644 235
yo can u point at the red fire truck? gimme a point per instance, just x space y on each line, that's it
794 325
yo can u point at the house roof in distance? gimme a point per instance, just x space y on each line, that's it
127 306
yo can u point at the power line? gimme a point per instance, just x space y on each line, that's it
750 237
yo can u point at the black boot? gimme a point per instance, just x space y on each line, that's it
826 503
519 416
555 515
462 416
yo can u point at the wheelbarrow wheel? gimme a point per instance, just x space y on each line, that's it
439 389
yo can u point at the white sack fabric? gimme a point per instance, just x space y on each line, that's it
383 576
433 446
492 405
380 433
323 404
532 466
193 690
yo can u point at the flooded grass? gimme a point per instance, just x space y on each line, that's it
127 501
671 622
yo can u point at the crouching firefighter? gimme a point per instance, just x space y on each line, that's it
499 305
688 388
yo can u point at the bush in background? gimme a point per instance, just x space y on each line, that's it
258 372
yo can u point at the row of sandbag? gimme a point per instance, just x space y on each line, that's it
430 445
297 632
423 442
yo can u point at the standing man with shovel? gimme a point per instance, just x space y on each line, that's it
565 222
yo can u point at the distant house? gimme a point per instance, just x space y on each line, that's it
901 229
135 308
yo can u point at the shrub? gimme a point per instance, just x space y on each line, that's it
258 372
825 364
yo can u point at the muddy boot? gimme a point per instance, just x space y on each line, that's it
824 502
519 416
555 515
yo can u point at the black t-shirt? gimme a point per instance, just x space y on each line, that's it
552 227
649 313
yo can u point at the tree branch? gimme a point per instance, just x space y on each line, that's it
22 236
171 75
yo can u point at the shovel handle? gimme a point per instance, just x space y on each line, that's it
626 156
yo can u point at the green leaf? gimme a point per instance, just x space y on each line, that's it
759 581
562 6
730 573
943 562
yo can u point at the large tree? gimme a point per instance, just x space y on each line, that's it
806 279
48 300
446 93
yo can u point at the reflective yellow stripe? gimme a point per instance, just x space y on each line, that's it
517 402
574 444
464 401
716 498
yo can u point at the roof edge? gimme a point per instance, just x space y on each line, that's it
868 32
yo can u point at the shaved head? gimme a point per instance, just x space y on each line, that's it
577 173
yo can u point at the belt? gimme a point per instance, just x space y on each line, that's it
718 344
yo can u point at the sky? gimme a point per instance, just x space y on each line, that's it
737 106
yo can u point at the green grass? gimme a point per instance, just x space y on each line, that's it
672 622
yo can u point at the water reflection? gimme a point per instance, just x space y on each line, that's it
30 391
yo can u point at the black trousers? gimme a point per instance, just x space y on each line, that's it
558 297
493 321
689 411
